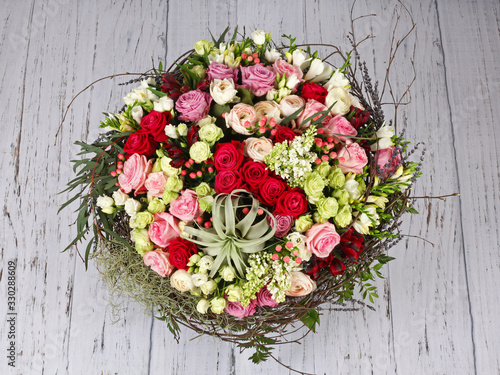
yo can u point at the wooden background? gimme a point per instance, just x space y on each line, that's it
439 306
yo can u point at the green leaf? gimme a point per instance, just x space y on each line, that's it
159 94
217 109
293 116
246 96
412 210
310 319
383 258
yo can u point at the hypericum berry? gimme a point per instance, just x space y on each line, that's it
278 248
210 169
192 175
183 172
207 224
113 173
199 173
121 156
199 220
289 245
275 257
286 259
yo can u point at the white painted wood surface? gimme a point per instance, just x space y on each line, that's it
439 305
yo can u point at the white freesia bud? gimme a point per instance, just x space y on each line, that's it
381 144
272 55
339 98
163 104
271 94
301 59
137 113
171 131
362 224
182 281
259 37
182 129
194 259
338 79
206 262
385 131
355 102
120 197
398 173
202 306
199 279
222 90
325 74
132 206
378 201
316 68
292 81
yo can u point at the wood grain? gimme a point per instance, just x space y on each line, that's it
438 308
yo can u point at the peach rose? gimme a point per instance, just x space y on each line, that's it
186 207
322 239
159 262
302 285
291 104
352 158
135 172
268 108
241 117
163 229
258 148
155 183
339 127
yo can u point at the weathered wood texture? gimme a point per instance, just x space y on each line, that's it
439 305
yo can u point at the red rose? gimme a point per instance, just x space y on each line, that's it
180 250
283 133
292 203
140 143
254 173
359 118
154 123
271 190
228 155
312 90
227 180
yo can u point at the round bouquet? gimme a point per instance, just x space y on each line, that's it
242 188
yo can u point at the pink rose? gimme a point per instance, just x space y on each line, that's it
220 71
338 127
235 309
257 79
265 298
135 172
321 239
193 105
186 207
159 261
163 229
284 223
312 107
155 183
241 117
388 161
352 158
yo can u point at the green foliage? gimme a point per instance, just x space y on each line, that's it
311 319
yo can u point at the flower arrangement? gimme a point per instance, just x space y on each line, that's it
242 188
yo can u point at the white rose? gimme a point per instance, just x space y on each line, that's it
268 108
206 262
182 129
167 167
234 293
381 144
351 185
137 113
209 287
338 79
132 206
302 285
171 131
227 273
104 202
199 279
340 97
120 197
163 104
291 104
272 55
317 67
300 58
258 148
206 121
259 37
202 306
182 281
217 305
299 241
222 90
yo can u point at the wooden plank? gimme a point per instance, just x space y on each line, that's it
471 46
